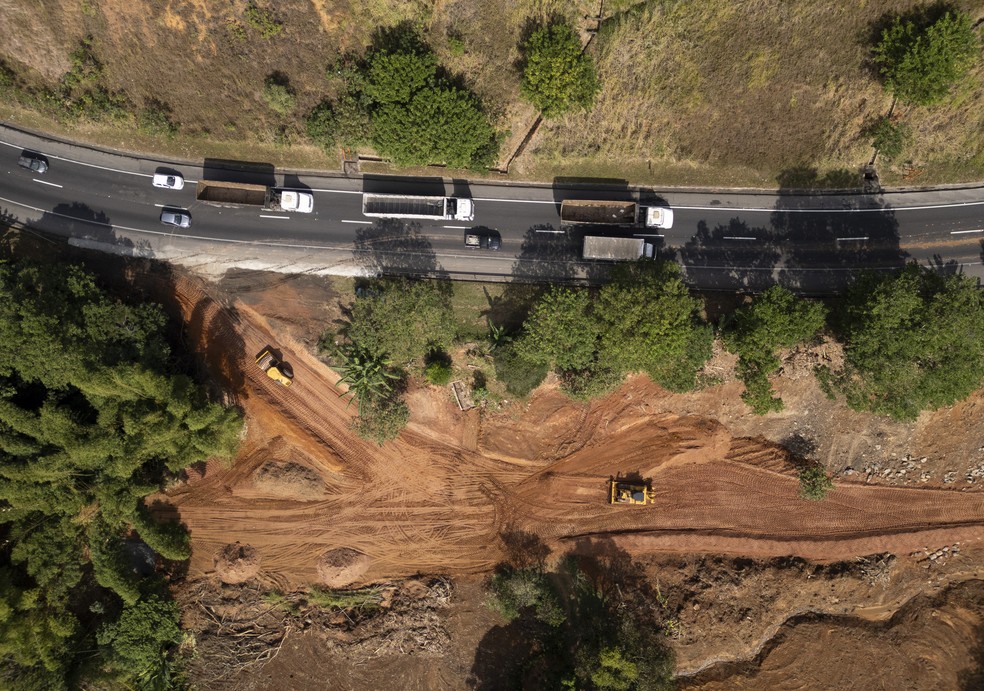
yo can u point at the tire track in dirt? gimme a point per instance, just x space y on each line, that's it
422 504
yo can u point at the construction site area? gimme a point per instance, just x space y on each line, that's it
722 527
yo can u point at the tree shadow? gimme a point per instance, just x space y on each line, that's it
733 257
78 220
801 448
523 548
606 599
827 239
403 37
394 247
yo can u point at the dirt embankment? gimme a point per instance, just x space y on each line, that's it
933 642
305 485
456 494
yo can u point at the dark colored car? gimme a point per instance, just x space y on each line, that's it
485 240
34 163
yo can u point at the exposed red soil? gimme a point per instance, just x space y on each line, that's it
424 503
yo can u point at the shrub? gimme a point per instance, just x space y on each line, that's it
438 373
321 125
557 75
591 382
518 374
382 419
262 20
814 482
758 391
278 95
155 119
364 599
889 137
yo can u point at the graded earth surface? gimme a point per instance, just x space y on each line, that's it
748 569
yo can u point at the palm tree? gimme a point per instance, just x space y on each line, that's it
368 374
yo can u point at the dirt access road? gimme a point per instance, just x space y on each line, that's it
454 492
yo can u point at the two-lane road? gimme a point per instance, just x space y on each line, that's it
723 240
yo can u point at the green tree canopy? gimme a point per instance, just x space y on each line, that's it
402 319
649 322
920 57
557 75
914 341
581 634
90 418
889 137
396 77
441 124
560 330
138 641
417 115
775 319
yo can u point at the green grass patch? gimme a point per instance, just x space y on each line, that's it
471 303
364 598
262 20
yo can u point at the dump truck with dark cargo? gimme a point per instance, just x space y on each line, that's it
615 213
218 193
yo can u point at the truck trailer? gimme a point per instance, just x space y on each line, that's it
616 213
423 208
617 249
220 193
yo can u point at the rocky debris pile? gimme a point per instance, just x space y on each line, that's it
936 557
876 569
911 471
975 473
905 471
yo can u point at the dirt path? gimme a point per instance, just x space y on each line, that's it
426 503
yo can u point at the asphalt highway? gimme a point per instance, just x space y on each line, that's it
723 239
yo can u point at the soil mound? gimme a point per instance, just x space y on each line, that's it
236 563
338 568
288 479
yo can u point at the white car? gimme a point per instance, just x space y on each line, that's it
169 181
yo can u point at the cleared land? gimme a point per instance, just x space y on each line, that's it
426 503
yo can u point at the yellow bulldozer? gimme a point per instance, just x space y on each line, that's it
630 492
278 371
